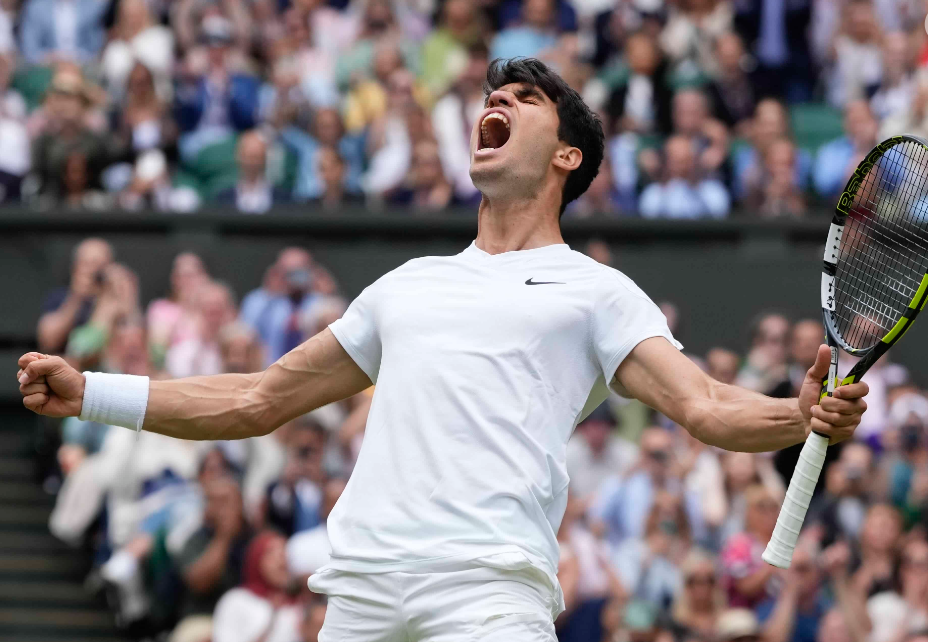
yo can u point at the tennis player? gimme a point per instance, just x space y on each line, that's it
484 364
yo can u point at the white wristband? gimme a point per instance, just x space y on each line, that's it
115 399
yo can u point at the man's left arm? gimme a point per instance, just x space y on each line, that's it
734 418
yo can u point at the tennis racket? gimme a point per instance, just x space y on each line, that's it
873 286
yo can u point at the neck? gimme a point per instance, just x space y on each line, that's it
504 225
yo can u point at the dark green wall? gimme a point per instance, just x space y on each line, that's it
720 274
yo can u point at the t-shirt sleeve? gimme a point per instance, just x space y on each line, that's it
623 317
358 331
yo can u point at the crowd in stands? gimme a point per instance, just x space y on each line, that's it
662 536
709 106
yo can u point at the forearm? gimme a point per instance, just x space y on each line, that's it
218 407
779 628
54 327
738 419
203 574
237 406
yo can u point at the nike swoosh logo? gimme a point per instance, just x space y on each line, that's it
530 282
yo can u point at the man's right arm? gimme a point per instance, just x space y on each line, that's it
228 406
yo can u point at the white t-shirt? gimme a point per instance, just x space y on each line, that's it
484 364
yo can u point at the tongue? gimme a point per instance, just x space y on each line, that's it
497 134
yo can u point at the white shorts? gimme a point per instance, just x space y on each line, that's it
481 604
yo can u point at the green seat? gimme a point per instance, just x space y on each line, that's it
814 124
32 82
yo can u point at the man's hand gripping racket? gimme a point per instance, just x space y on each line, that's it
874 284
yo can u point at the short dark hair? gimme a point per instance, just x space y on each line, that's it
578 126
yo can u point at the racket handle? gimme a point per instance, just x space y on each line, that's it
779 551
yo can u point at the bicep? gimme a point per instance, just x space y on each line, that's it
316 373
659 375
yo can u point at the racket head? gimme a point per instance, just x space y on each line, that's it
875 270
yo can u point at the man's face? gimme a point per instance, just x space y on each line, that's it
514 141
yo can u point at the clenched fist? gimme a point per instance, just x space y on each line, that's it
50 386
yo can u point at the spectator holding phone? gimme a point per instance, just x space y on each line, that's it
69 307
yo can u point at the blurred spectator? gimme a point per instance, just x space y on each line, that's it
769 124
893 98
252 193
211 561
722 364
897 613
908 467
587 577
795 614
201 354
776 34
310 550
741 472
263 607
623 505
878 550
849 483
294 503
774 192
649 566
15 152
53 30
695 611
642 103
172 320
240 348
274 309
214 102
66 308
332 171
692 30
681 194
68 156
731 92
136 39
425 187
142 118
379 26
391 137
595 452
445 51
691 118
328 132
453 120
313 617
854 54
837 160
536 33
747 578
601 197
765 365
118 302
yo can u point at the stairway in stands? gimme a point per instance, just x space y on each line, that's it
42 595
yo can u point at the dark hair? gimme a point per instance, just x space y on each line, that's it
578 126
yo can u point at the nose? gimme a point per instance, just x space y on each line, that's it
500 97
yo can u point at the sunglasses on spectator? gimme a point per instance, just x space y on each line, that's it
692 580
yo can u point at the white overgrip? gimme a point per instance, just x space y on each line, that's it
779 551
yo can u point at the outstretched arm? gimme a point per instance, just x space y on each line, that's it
228 406
734 418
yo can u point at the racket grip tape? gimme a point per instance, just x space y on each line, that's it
779 551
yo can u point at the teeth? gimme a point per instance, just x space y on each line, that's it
483 126
497 116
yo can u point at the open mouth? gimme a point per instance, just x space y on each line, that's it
494 131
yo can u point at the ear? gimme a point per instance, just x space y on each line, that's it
568 158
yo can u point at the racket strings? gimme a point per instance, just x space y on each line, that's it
883 249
